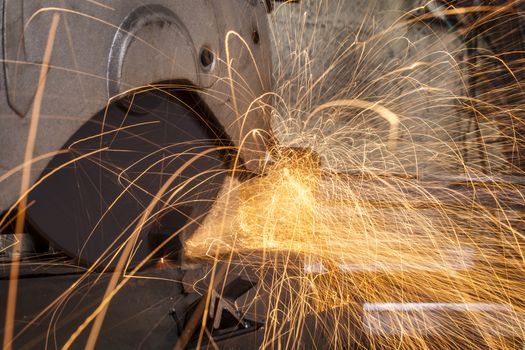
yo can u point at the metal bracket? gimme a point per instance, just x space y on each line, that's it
225 320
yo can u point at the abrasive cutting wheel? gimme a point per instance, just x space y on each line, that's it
94 197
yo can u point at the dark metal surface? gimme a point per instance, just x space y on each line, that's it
149 312
138 316
90 207
225 319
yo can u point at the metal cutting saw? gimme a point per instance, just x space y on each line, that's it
133 91
110 109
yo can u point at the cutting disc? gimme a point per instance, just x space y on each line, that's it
92 197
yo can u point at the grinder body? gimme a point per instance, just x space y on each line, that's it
138 84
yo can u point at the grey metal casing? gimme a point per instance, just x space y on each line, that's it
105 48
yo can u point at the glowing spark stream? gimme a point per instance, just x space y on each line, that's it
390 215
384 249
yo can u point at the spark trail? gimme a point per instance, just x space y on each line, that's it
399 221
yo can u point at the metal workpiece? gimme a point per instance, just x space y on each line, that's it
103 51
138 317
